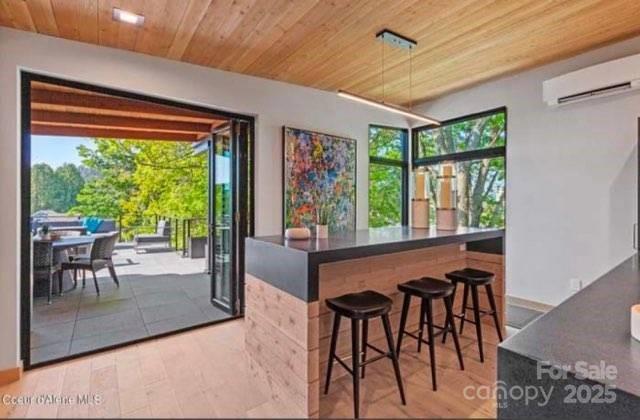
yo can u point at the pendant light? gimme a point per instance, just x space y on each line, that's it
389 37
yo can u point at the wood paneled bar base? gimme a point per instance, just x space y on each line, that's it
288 325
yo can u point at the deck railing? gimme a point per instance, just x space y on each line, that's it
182 230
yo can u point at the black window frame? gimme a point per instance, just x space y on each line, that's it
491 152
470 155
402 164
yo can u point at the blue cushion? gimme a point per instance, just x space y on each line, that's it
92 224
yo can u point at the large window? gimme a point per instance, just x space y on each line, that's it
388 176
476 145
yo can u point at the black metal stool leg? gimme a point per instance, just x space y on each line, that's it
465 297
355 355
432 347
423 309
478 322
332 350
403 321
451 325
394 356
453 297
494 309
365 337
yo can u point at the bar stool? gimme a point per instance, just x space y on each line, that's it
428 289
361 306
472 278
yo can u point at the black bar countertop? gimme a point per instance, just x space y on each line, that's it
292 265
591 327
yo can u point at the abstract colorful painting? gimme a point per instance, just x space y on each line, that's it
319 171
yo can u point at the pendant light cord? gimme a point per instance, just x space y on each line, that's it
410 77
383 92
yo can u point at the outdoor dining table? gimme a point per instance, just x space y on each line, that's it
82 230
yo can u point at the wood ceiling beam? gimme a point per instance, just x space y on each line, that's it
122 123
58 130
112 103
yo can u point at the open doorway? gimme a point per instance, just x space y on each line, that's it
134 214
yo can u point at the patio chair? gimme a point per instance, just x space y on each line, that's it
44 265
100 257
162 235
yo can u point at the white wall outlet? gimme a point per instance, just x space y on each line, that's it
575 285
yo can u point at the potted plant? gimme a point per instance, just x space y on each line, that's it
322 221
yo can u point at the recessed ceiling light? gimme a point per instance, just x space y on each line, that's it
127 17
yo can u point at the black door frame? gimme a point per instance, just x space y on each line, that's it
247 213
240 141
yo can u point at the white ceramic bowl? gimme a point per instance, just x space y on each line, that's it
297 233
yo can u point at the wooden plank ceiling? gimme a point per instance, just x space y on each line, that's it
63 111
330 44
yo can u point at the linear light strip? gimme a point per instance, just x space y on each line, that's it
388 107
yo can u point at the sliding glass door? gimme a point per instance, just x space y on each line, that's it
228 220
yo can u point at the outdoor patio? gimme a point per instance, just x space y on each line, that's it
160 291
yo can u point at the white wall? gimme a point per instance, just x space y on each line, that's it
274 103
571 176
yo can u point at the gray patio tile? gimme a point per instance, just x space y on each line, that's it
67 299
167 311
159 284
174 297
79 345
50 352
107 324
50 314
51 334
111 293
152 281
172 324
213 313
199 290
100 307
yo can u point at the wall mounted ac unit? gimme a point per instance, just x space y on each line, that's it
610 78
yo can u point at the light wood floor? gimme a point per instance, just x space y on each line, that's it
203 373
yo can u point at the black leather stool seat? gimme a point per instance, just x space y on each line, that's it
361 305
427 287
471 276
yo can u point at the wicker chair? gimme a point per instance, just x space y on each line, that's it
44 265
99 258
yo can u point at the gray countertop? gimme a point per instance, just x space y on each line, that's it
384 237
592 326
292 265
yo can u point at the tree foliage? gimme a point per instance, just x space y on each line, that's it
385 181
138 180
55 189
481 183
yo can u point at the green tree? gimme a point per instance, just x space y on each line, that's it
385 181
481 183
68 183
113 162
135 181
43 185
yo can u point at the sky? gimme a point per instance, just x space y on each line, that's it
57 150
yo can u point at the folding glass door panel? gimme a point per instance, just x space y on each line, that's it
228 217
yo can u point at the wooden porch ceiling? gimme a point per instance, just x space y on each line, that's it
63 111
329 44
